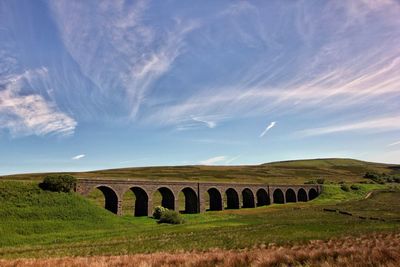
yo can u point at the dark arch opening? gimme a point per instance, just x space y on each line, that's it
110 198
262 198
232 199
279 198
248 198
215 199
191 203
167 198
312 194
302 195
290 195
141 202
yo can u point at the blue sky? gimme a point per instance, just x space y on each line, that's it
106 84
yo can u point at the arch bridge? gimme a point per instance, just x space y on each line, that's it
218 196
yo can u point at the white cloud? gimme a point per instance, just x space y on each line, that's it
210 124
269 127
228 161
349 86
116 35
328 74
77 157
382 124
30 114
395 143
214 160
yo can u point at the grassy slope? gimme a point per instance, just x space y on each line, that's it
35 223
286 172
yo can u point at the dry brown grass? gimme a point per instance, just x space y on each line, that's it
369 250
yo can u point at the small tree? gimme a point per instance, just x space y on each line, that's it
59 183
158 211
310 182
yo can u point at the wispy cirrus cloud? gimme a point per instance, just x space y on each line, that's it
208 123
23 113
213 160
374 125
394 143
269 127
228 161
78 157
329 74
118 35
219 160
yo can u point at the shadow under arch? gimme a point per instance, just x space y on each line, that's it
262 197
248 198
312 193
232 199
302 195
278 196
110 198
141 201
290 195
191 201
215 199
168 198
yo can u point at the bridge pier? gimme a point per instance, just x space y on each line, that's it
150 207
176 204
119 207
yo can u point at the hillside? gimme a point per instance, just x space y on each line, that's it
284 172
29 214
37 223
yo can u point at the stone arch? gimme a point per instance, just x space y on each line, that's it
141 201
167 198
262 197
215 199
248 198
232 199
312 193
191 201
279 197
290 195
302 195
110 198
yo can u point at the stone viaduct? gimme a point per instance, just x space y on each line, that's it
196 194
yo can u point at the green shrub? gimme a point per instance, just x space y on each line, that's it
171 217
371 175
345 187
158 211
59 183
320 181
310 182
380 181
355 187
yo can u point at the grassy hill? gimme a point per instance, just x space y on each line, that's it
32 215
284 172
37 223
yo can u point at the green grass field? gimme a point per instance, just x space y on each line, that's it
285 172
36 223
